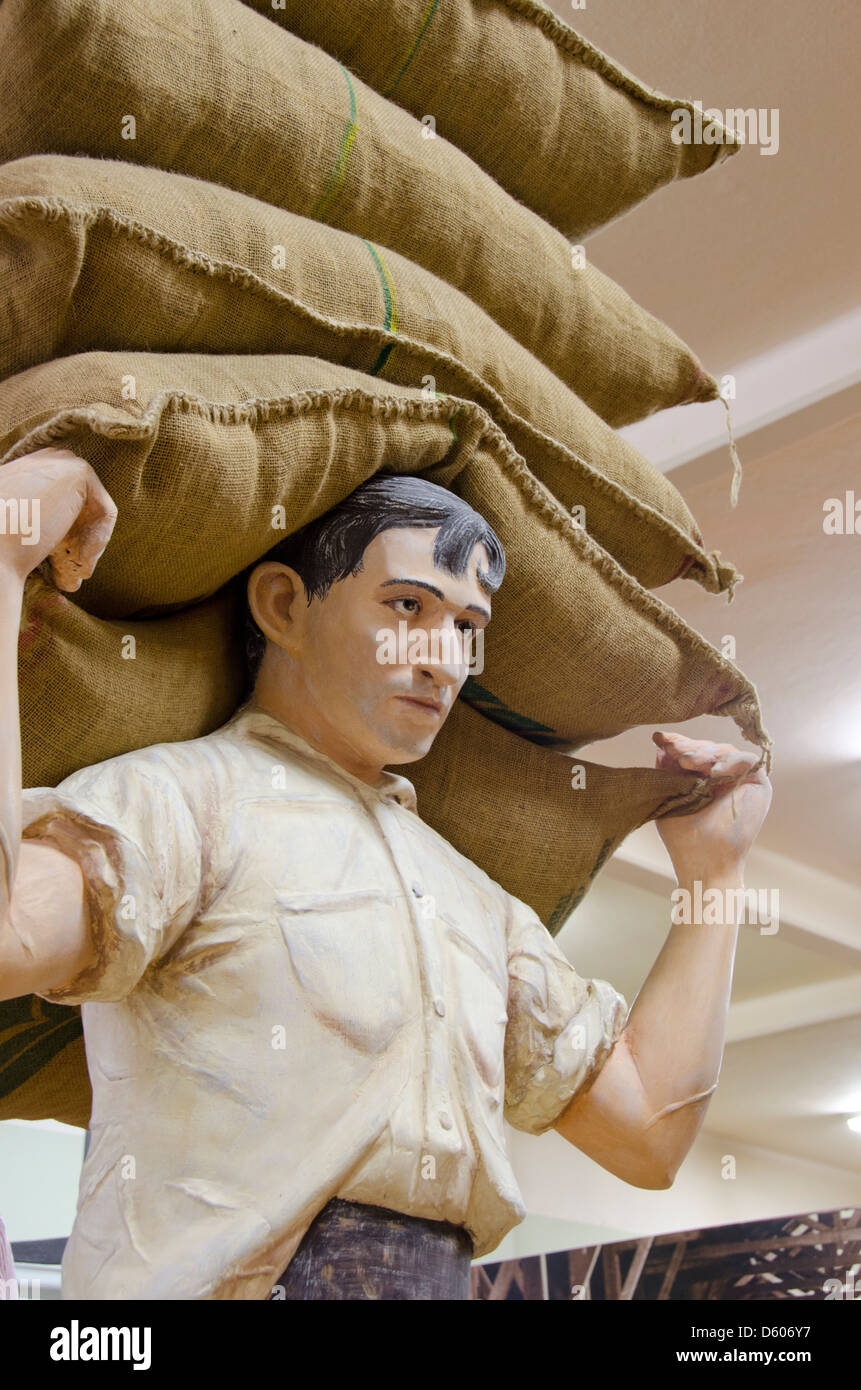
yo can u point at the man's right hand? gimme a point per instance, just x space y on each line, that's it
71 516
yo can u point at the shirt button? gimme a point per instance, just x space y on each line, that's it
445 1119
417 889
439 1007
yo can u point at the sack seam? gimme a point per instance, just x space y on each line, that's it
568 41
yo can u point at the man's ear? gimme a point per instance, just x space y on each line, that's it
278 602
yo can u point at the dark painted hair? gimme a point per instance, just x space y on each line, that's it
333 546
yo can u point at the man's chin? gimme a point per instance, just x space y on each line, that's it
407 748
410 735
409 753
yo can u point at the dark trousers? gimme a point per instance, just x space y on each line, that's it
354 1251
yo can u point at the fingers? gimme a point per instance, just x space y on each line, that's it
707 759
666 762
77 555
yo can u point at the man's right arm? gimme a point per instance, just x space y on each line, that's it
45 935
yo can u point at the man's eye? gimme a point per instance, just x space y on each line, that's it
416 605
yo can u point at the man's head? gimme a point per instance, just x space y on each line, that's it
399 556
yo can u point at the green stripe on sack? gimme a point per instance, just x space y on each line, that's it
492 707
441 396
428 16
338 174
391 323
567 904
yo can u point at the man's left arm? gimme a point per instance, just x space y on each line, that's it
641 1114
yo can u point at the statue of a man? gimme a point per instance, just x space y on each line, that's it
305 1013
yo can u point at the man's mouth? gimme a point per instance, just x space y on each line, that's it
432 706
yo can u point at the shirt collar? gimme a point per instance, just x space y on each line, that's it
250 720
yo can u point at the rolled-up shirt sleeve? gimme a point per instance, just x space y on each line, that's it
130 828
561 1028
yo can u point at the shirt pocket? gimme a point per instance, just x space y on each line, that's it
350 963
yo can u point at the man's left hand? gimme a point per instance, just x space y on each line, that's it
713 842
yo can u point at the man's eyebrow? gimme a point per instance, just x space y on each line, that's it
438 593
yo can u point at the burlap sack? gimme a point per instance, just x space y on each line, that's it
106 254
91 689
196 462
552 118
200 461
217 93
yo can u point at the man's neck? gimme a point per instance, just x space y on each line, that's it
306 724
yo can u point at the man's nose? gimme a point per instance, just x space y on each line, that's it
448 656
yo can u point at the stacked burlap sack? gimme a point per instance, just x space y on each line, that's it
253 259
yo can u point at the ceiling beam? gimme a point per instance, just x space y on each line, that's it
786 1009
773 386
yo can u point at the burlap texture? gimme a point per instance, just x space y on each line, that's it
554 120
218 93
91 689
106 254
196 463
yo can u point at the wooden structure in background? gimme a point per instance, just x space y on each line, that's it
801 1257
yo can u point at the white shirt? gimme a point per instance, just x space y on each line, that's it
302 992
